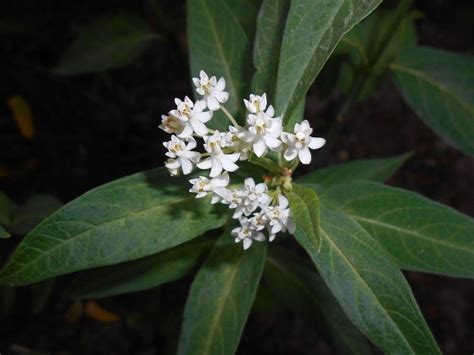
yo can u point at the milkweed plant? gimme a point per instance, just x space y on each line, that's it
231 203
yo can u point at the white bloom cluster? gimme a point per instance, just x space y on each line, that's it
257 207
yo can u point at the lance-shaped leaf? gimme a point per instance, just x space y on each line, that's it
439 87
312 31
126 219
109 42
304 205
369 286
266 52
420 234
221 297
302 290
141 274
367 169
219 44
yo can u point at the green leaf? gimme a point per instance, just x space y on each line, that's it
302 290
219 44
141 274
270 25
265 163
312 31
420 234
367 52
4 233
304 205
126 219
36 209
439 87
221 297
107 43
369 286
7 209
369 169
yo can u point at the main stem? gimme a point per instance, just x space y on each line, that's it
359 83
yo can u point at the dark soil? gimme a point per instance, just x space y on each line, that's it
92 129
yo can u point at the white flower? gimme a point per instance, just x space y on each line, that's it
247 234
193 117
254 196
256 103
299 143
202 186
259 220
217 160
248 199
263 132
211 89
171 124
182 155
173 166
232 140
279 218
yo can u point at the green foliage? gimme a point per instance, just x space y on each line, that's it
221 297
370 53
302 290
312 31
304 205
369 169
107 43
219 43
369 286
124 220
270 25
141 274
439 86
420 234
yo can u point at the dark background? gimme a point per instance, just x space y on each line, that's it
91 129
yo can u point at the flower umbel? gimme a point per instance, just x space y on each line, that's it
259 207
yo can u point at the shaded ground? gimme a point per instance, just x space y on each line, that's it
92 130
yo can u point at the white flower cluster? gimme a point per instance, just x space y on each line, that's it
256 207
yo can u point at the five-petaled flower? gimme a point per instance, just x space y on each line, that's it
218 160
211 89
182 154
193 116
299 143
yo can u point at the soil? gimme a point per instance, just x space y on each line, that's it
92 129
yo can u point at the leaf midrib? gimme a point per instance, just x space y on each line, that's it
219 45
364 283
420 75
407 231
75 238
220 307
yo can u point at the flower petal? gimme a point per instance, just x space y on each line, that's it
212 103
316 142
304 155
186 165
205 164
259 147
216 167
199 127
290 153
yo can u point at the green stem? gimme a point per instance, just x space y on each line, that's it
401 11
230 117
